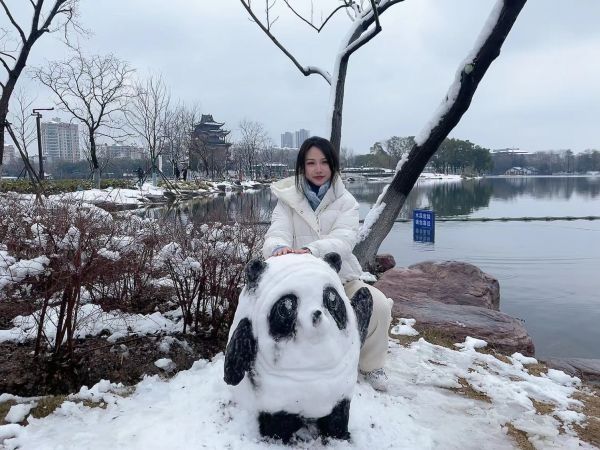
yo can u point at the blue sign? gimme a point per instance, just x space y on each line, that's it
423 225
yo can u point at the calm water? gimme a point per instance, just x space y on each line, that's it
549 272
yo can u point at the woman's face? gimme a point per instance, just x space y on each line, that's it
316 169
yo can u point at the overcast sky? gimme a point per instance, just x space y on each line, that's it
542 93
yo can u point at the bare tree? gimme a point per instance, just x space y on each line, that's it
93 90
16 44
148 115
346 157
365 25
22 122
179 133
254 140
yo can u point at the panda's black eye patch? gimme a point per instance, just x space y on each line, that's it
335 305
282 317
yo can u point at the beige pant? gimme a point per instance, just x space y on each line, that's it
374 350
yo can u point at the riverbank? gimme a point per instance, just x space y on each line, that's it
123 194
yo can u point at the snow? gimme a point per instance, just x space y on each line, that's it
12 271
165 364
103 391
370 220
195 409
560 377
113 195
404 328
471 344
91 321
518 357
19 412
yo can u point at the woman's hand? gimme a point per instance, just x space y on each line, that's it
283 251
286 250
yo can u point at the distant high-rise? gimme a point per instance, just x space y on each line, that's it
287 140
60 140
10 153
117 151
295 139
300 136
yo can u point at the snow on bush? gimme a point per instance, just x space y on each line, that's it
69 257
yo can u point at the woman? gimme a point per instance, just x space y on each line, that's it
316 214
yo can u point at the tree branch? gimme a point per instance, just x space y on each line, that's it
13 21
306 71
309 23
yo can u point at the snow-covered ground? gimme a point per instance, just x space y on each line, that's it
139 196
195 409
119 196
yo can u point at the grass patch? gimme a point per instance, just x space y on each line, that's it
536 369
4 409
467 390
542 407
519 436
590 431
47 405
431 336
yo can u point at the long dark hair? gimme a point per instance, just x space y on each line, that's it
333 160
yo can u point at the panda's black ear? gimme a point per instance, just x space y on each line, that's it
254 270
240 353
334 260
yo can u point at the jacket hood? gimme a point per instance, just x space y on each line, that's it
286 191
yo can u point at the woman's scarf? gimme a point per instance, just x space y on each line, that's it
314 194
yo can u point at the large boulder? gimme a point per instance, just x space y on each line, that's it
450 282
455 322
454 300
583 368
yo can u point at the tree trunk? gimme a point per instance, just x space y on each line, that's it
338 105
470 76
95 164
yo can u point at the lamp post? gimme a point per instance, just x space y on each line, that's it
38 116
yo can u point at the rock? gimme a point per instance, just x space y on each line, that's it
455 322
450 282
454 300
384 262
585 369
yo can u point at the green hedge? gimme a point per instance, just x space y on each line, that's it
61 186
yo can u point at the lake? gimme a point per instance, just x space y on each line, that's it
549 271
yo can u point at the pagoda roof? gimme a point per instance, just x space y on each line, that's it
207 119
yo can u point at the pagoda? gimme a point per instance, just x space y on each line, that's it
210 151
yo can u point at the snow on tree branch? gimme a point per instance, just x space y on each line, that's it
458 99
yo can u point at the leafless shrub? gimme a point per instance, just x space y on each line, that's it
205 263
58 251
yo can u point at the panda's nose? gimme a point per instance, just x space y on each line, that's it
316 317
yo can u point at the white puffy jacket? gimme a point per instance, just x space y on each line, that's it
332 227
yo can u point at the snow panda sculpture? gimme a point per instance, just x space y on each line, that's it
294 345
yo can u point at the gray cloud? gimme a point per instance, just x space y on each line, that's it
542 93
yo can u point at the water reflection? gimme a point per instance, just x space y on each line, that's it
248 206
545 187
492 197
